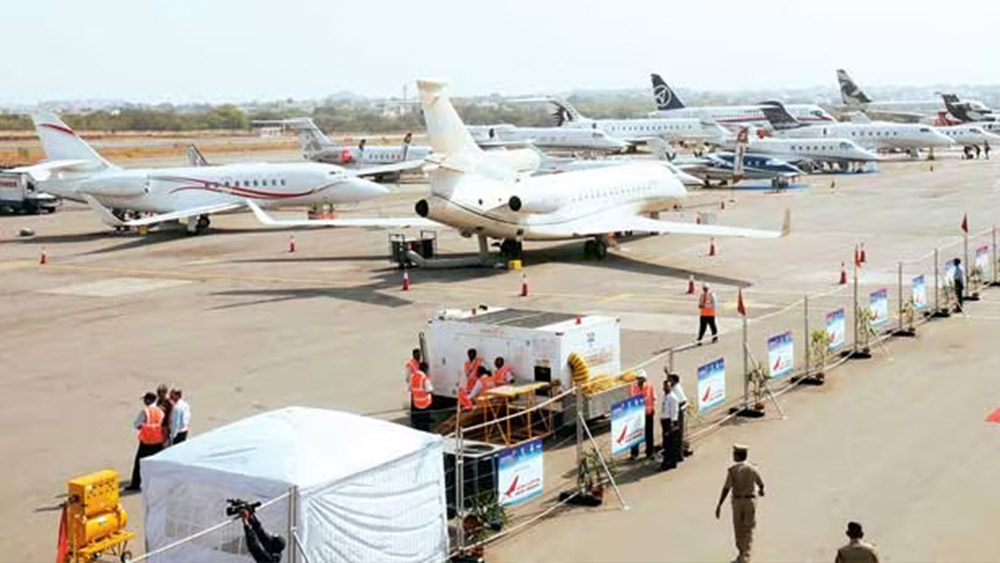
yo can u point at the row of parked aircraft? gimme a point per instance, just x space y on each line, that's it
488 185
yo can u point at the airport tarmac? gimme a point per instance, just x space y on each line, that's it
244 326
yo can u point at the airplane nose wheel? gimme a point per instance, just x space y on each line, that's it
200 226
595 248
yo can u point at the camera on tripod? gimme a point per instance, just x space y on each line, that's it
238 506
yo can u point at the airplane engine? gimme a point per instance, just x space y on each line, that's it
533 204
346 157
125 186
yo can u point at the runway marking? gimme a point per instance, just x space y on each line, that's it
618 297
994 416
116 287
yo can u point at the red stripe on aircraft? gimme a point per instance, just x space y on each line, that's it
994 416
60 128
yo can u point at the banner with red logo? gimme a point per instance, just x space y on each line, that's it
519 473
628 424
781 354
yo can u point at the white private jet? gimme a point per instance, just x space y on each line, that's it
558 138
669 104
640 130
970 134
75 171
589 204
911 111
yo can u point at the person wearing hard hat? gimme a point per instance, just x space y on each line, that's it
707 305
642 387
744 481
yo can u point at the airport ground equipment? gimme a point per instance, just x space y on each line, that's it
399 246
19 195
95 519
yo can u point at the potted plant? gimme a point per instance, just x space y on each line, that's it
486 516
590 479
758 381
819 347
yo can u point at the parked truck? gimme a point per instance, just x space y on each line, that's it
18 194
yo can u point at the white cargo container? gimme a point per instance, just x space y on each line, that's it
535 344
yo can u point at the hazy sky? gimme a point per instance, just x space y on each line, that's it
217 50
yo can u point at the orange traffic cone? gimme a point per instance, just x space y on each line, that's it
524 285
406 280
864 258
579 319
291 243
690 290
43 258
711 246
843 274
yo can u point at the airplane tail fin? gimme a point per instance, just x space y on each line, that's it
195 156
62 143
778 116
311 137
664 95
565 112
445 128
850 93
956 108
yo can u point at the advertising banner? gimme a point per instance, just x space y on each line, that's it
878 307
519 473
628 424
919 293
982 259
836 328
711 384
781 354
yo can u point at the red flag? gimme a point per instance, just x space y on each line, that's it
857 257
62 547
740 308
965 223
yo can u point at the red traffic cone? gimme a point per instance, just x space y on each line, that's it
864 257
524 285
43 258
579 319
291 243
711 246
690 290
406 280
843 274
62 544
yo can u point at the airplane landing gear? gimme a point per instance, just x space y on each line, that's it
511 248
200 226
596 247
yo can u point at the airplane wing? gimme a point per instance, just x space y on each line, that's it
373 223
601 225
108 218
41 171
393 168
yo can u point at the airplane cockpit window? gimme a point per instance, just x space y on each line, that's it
845 145
925 130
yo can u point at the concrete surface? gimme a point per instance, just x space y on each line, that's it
256 328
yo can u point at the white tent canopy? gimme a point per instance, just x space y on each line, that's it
362 489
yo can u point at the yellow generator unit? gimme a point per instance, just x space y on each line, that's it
95 518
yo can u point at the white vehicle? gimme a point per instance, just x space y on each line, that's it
558 138
19 194
970 134
536 345
639 130
669 104
75 171
467 194
916 111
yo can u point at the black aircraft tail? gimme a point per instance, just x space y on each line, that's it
664 95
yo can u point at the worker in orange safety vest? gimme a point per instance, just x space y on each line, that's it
707 305
412 364
503 375
149 424
642 387
420 398
472 369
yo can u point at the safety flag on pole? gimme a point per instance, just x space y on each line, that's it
857 257
740 308
62 547
965 223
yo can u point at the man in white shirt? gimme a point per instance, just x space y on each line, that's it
669 416
180 417
682 401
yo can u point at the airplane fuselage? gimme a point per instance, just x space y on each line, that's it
877 135
735 116
639 130
475 205
165 190
356 157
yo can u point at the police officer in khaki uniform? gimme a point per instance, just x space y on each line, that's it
743 479
856 551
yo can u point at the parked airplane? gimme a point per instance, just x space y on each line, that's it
75 171
316 146
970 134
588 204
917 111
557 138
640 130
875 135
809 154
668 104
732 167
